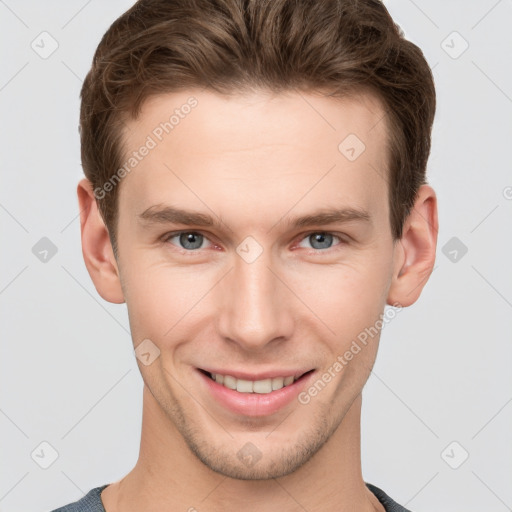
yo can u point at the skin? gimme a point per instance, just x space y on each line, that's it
255 160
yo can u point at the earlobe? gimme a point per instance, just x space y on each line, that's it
415 252
96 246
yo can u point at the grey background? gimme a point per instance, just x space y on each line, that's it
68 373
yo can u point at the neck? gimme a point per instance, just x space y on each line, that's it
169 476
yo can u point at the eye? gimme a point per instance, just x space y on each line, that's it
321 240
192 241
188 240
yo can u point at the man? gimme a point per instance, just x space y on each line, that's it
255 192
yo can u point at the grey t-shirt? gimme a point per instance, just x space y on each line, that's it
91 502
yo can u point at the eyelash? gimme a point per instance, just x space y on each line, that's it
193 252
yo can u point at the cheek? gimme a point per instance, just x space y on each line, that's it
340 299
160 299
346 298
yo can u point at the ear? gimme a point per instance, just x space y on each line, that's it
96 247
415 252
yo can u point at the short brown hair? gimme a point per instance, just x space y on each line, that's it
229 46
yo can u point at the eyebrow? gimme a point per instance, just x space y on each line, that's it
161 214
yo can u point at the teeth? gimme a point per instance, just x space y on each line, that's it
288 381
229 382
277 383
261 386
248 386
244 386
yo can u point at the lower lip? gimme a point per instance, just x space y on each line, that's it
255 404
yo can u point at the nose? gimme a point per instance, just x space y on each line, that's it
254 304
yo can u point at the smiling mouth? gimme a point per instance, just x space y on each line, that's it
263 386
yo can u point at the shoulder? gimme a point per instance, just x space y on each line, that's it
91 502
389 504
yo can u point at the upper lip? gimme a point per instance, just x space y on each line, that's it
269 374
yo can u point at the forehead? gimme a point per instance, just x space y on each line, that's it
256 150
239 121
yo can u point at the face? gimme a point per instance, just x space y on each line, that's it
252 244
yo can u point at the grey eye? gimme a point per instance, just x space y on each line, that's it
320 240
189 240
